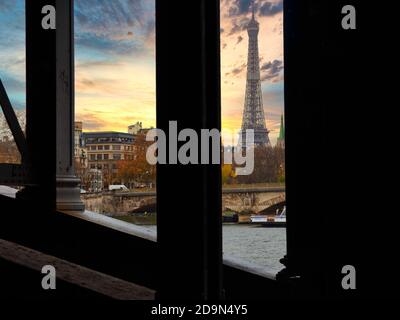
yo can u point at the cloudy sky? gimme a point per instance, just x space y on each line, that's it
12 50
115 60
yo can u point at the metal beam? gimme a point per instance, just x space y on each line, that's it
12 122
40 106
14 175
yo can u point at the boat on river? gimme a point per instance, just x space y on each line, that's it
278 220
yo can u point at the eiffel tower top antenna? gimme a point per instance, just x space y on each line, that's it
253 9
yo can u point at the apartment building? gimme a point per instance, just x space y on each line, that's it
105 149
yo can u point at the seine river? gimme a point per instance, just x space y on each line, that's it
258 246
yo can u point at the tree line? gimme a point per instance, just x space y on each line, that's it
269 167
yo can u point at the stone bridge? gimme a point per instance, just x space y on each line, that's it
235 199
117 203
251 200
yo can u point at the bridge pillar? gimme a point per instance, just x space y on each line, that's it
67 184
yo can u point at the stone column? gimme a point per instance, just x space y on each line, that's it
67 183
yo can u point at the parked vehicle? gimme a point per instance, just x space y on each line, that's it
117 187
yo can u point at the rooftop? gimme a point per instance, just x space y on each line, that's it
106 137
107 134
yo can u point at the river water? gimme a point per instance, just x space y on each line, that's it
256 246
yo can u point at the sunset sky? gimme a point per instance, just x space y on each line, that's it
115 60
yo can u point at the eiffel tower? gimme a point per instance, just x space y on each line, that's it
253 114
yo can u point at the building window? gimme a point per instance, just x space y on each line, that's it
116 148
106 147
117 156
105 157
100 148
92 157
93 148
99 157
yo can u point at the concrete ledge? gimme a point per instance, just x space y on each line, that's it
248 267
115 224
8 192
72 273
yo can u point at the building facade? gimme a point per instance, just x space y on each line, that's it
105 150
95 180
80 152
77 137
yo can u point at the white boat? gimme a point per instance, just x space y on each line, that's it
270 221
